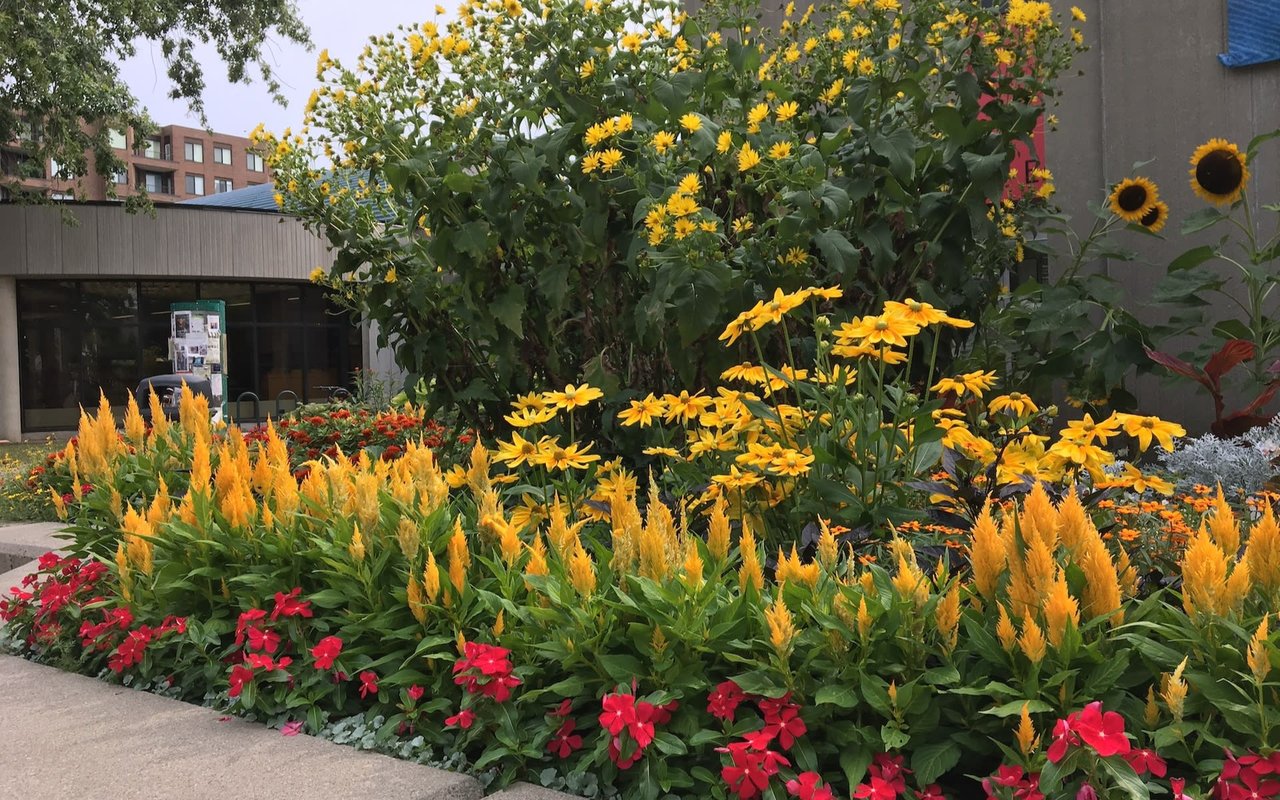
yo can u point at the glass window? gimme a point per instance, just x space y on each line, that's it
193 151
277 303
280 360
222 154
60 171
221 185
195 184
151 148
156 182
254 162
237 296
116 139
155 296
121 178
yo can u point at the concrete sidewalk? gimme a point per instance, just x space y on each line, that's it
71 736
21 543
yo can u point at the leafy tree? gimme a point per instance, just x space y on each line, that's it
60 87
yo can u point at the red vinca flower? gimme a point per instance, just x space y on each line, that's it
368 683
724 701
240 677
805 787
1103 731
288 605
463 719
415 692
1144 761
326 651
564 742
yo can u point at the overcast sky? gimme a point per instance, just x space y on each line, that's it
342 27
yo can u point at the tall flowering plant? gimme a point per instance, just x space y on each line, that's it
608 207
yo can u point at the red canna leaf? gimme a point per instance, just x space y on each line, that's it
1179 366
1232 353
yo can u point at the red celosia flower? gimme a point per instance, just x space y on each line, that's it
805 787
1103 731
415 692
240 676
463 719
263 640
723 702
368 683
325 651
564 741
288 605
1144 761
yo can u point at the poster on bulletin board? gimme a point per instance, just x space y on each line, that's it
198 344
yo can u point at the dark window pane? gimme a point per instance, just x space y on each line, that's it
237 296
157 295
279 361
109 302
155 348
275 303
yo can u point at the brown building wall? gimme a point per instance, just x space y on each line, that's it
168 166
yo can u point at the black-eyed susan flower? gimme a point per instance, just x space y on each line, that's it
880 329
574 396
1155 219
517 451
1144 429
556 456
1219 172
527 417
1132 198
1015 403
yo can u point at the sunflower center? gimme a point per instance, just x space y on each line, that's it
1132 198
1220 172
1151 217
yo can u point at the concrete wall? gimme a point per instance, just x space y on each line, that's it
1153 88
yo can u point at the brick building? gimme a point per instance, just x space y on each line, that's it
174 163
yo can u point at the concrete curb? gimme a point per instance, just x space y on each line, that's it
72 736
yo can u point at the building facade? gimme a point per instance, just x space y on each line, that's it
85 307
174 163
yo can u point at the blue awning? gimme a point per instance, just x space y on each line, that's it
1253 32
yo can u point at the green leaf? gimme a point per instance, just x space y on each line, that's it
508 309
1126 778
838 252
837 695
854 761
1192 258
759 683
1199 220
931 761
1014 708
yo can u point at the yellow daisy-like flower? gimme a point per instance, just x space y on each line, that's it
1078 15
747 158
791 463
1136 480
832 92
975 383
517 451
1144 429
684 227
724 142
742 224
771 311
631 42
609 159
555 456
684 406
691 123
758 113
923 314
643 412
590 162
527 417
663 141
735 479
532 401
1219 172
879 329
1015 403
786 111
669 452
689 184
317 275
1155 219
1088 431
587 69
574 396
1132 198
780 150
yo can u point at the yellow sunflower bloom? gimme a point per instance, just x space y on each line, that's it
1155 219
1132 198
1219 172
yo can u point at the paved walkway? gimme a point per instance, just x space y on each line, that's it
68 735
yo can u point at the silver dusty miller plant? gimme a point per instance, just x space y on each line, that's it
1248 462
